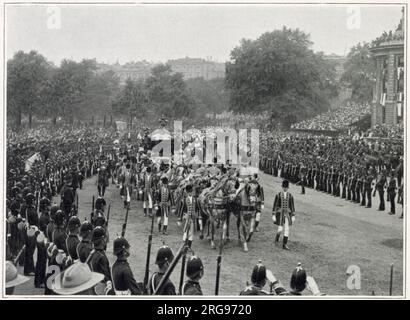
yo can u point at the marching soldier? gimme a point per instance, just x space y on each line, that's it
163 261
123 280
148 183
102 179
31 232
85 246
283 213
194 272
165 201
67 197
260 200
368 188
126 180
190 211
400 197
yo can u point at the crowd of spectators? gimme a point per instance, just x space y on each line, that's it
335 120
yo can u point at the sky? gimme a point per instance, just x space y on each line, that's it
156 33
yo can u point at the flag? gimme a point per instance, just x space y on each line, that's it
30 161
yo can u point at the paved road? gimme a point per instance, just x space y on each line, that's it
330 234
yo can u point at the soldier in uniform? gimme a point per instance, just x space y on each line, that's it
85 246
100 204
67 197
148 183
194 272
283 213
391 192
163 261
258 281
164 200
72 240
123 280
400 197
31 233
260 200
368 188
380 186
126 180
190 210
97 259
102 179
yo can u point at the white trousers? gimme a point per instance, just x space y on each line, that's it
284 228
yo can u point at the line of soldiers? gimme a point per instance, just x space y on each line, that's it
337 167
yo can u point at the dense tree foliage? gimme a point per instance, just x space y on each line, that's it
359 74
279 73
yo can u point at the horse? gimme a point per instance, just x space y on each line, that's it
247 198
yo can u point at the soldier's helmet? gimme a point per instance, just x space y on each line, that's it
73 223
119 245
164 180
98 234
15 191
53 211
59 218
194 267
188 188
259 274
30 198
298 279
285 184
164 254
85 228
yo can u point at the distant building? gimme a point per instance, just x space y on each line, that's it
338 62
388 91
198 68
189 67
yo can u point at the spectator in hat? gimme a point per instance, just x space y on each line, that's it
13 278
78 279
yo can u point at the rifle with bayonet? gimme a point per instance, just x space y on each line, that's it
124 225
218 263
146 276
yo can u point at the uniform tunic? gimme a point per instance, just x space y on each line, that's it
123 279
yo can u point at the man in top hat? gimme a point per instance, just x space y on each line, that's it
123 279
72 240
163 261
164 200
283 213
78 279
258 281
194 272
85 246
13 278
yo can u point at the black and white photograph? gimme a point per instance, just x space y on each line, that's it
192 150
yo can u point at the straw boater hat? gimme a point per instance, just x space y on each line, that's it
75 279
13 279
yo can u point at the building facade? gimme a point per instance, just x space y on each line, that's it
388 93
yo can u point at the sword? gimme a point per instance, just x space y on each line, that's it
218 264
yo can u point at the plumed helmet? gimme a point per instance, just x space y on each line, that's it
194 267
30 198
119 245
259 273
73 223
85 228
298 279
164 254
53 211
98 233
59 218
